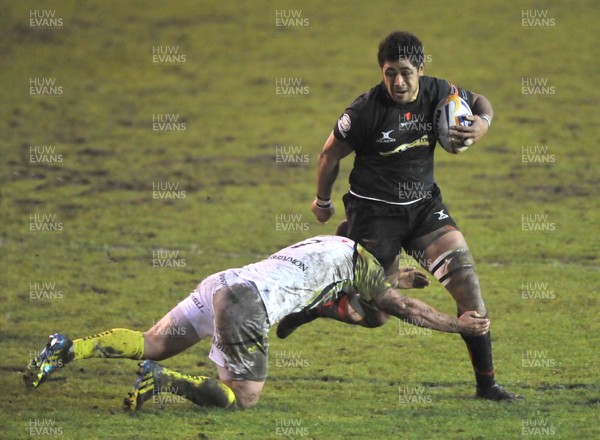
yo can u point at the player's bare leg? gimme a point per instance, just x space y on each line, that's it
446 255
168 337
171 335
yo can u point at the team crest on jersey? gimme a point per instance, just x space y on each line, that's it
344 124
385 137
405 121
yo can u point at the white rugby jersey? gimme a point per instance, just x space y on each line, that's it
313 272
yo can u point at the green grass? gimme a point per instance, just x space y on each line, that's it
350 382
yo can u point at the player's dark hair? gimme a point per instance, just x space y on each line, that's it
401 45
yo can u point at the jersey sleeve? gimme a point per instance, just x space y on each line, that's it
348 128
369 277
447 88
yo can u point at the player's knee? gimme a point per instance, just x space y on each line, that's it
246 399
455 270
469 281
247 402
246 392
454 265
467 293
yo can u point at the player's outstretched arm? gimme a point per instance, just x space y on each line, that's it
328 167
418 313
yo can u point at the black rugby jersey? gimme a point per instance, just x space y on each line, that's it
394 143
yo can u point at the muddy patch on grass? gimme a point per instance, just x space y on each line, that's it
93 289
93 152
562 190
29 202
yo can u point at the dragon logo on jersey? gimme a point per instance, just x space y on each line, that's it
423 141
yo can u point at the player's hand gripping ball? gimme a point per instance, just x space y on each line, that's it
450 112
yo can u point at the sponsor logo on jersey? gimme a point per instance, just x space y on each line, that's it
223 280
198 303
220 346
442 215
385 138
292 260
344 124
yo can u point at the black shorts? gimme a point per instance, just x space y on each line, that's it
385 229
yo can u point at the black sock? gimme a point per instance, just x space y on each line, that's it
480 350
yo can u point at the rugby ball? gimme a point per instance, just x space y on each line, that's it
451 111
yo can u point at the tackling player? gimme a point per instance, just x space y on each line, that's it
237 307
393 201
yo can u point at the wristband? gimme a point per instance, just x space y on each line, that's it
487 118
323 203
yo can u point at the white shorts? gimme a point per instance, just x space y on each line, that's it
197 308
239 332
